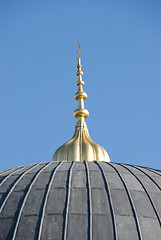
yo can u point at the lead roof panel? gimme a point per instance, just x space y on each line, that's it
80 200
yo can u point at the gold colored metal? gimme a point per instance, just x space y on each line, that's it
80 96
80 147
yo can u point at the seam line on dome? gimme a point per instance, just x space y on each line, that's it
89 197
146 191
109 199
11 170
10 190
149 176
131 202
15 171
10 174
154 171
65 224
29 187
46 194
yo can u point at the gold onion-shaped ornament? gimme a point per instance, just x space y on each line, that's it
80 147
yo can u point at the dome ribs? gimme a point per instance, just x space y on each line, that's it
29 187
109 198
153 170
10 174
66 210
10 190
7 171
149 176
89 197
46 194
131 203
146 191
80 200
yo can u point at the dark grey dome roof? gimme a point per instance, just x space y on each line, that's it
80 200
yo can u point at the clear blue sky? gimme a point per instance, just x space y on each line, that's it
121 58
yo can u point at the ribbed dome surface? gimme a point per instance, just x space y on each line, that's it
80 200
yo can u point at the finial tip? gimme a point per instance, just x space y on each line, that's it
79 51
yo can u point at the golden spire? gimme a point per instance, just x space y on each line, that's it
80 147
80 96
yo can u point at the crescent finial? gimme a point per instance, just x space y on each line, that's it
79 51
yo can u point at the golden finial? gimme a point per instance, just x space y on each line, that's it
80 96
80 147
79 51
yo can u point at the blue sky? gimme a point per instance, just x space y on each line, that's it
121 58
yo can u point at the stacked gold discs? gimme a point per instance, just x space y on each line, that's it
80 96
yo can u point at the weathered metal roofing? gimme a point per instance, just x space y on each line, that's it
80 200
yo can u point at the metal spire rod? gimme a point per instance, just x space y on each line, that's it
80 96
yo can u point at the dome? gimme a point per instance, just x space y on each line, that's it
80 200
80 194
